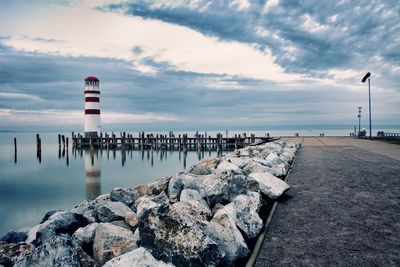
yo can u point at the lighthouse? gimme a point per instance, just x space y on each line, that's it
92 107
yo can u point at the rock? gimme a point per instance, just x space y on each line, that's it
112 211
216 188
253 166
111 241
216 208
227 166
84 237
128 196
14 236
192 208
136 236
48 215
247 218
84 259
270 185
143 204
12 252
183 180
131 219
224 187
56 251
143 190
60 222
32 234
239 184
205 167
159 185
240 163
123 224
87 210
103 198
135 258
222 229
192 195
272 157
176 235
161 198
279 170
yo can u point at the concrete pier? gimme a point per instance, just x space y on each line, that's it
343 208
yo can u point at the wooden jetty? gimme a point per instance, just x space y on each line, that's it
170 141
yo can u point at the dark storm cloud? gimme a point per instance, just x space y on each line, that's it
351 32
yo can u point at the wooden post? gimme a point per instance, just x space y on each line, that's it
15 150
59 139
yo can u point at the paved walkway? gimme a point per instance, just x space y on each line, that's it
343 208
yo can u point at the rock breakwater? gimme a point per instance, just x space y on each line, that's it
204 217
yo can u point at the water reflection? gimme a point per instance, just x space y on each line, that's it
93 173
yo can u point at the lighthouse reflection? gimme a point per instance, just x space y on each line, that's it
93 173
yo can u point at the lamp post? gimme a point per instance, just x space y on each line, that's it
367 76
359 121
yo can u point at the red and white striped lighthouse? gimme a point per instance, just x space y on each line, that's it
92 107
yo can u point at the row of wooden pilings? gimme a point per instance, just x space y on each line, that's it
171 141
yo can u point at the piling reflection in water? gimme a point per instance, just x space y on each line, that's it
93 173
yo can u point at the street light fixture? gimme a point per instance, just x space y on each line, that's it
367 76
359 121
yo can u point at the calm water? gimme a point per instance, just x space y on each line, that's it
29 188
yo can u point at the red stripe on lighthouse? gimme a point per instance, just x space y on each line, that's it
92 111
92 99
92 92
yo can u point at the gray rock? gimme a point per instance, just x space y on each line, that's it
253 166
32 234
222 229
56 251
111 241
135 258
112 211
160 185
176 235
183 180
84 237
224 187
12 252
192 195
60 222
270 185
227 166
247 218
14 236
143 204
240 163
48 215
87 210
205 167
131 219
128 196
123 224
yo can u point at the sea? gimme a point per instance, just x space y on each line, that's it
60 178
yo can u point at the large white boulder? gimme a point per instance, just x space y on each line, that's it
270 185
135 258
222 229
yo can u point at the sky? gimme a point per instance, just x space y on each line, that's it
193 64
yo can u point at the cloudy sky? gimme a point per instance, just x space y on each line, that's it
193 64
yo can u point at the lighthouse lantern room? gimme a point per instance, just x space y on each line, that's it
92 107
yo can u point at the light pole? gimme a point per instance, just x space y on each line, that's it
359 121
369 99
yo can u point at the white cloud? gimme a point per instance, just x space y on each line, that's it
19 96
87 32
63 118
269 5
311 25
